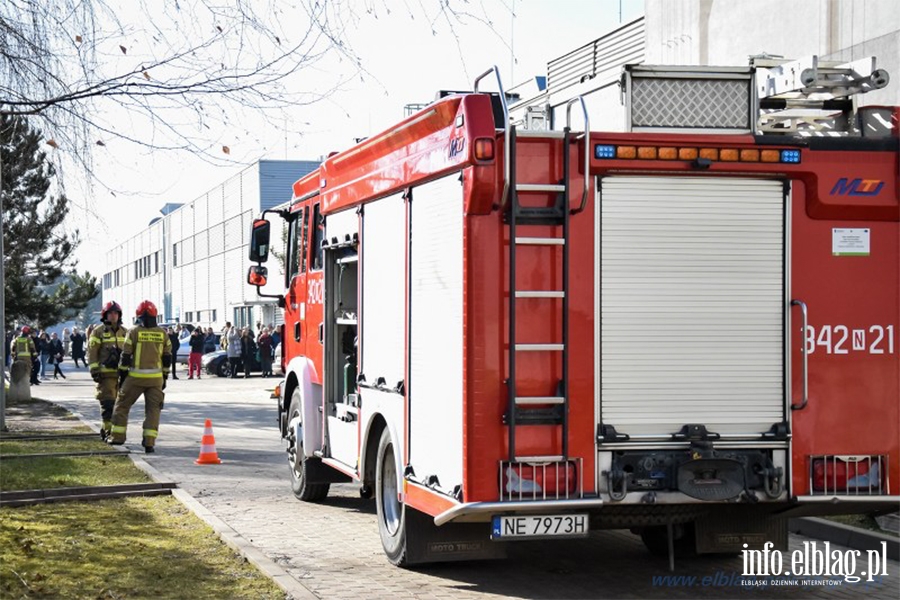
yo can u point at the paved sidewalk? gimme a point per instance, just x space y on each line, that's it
333 548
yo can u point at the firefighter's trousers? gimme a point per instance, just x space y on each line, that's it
130 391
107 390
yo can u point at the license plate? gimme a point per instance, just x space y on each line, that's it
539 526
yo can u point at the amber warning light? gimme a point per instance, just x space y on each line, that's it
625 152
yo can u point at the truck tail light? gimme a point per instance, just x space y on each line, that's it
848 474
484 149
538 481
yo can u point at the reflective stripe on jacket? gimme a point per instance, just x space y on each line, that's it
103 340
147 345
22 347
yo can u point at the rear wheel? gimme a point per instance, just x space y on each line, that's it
391 512
302 465
656 539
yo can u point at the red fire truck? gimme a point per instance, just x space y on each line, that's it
686 329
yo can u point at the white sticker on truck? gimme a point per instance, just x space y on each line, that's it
841 339
849 242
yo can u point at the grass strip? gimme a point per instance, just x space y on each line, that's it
128 548
11 447
54 472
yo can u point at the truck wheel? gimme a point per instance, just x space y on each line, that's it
656 539
391 512
301 465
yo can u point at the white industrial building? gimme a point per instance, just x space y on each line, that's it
192 261
712 33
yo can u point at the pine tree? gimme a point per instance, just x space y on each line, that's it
42 287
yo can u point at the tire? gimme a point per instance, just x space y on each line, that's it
656 539
222 368
391 512
301 465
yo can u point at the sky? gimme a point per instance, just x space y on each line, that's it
404 60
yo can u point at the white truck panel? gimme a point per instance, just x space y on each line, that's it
383 314
436 332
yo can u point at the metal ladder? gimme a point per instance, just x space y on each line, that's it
520 409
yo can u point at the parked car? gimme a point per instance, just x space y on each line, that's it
216 363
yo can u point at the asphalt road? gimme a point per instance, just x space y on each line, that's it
333 548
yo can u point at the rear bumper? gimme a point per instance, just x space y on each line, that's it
483 511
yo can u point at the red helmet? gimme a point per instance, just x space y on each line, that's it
146 308
111 306
26 330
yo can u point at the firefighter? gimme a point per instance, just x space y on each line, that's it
143 367
23 350
104 350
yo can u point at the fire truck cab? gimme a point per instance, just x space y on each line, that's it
688 329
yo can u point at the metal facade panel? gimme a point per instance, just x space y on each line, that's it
216 235
232 197
436 331
216 204
234 283
692 301
233 232
383 314
201 284
277 177
217 287
250 188
199 210
598 62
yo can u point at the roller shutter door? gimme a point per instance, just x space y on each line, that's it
692 304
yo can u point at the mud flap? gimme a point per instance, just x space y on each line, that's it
428 543
726 531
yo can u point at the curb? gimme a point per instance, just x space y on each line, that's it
291 586
845 535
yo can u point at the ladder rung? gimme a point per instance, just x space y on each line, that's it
526 400
540 187
536 241
539 294
540 459
539 347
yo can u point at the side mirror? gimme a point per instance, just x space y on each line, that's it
259 241
258 275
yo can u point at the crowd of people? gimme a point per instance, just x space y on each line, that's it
43 350
244 349
129 363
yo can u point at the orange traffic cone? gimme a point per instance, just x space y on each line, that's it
208 454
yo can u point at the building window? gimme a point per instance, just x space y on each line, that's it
156 262
116 275
136 274
174 255
213 316
188 317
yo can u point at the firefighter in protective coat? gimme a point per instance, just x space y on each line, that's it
144 365
104 350
22 349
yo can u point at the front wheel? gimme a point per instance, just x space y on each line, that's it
391 512
302 465
222 368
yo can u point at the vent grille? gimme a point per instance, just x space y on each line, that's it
690 103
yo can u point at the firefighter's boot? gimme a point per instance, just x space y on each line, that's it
147 449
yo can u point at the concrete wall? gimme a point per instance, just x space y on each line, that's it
727 32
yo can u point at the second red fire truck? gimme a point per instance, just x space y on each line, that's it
505 334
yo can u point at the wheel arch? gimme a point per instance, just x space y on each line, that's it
301 376
369 458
